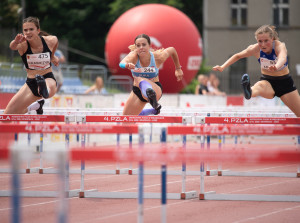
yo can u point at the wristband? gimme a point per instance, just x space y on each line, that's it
178 68
122 65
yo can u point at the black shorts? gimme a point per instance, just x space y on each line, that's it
138 92
32 84
281 85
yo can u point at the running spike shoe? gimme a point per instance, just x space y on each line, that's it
246 86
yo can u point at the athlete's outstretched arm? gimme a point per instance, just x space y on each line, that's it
171 51
249 51
281 55
20 38
129 61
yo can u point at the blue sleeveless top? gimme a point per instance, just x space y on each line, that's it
147 72
266 60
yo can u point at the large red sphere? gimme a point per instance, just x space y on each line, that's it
166 27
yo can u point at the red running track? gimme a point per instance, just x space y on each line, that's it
86 210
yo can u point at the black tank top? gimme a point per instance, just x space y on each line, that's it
37 61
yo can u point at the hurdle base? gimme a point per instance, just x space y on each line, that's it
133 195
188 195
27 193
47 170
31 170
211 172
259 174
26 171
252 197
82 193
173 172
130 171
51 170
203 196
122 171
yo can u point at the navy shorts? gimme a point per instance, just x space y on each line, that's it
281 85
32 84
138 92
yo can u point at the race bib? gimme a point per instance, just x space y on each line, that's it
266 63
38 61
144 70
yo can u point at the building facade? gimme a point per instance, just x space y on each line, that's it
229 27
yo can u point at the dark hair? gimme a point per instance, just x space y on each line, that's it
33 20
36 22
143 36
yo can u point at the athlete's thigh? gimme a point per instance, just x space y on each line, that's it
51 84
292 100
157 90
20 101
264 89
133 105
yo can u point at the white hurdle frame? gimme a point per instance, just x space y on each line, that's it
245 121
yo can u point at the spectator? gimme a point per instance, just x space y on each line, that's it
57 72
213 85
97 87
201 88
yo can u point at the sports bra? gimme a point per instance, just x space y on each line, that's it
147 72
37 61
267 60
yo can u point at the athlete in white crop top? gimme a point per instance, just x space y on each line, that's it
275 79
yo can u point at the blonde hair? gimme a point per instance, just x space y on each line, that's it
267 29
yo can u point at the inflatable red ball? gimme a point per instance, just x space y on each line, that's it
166 27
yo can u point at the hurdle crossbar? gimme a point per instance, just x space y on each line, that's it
135 119
37 118
246 120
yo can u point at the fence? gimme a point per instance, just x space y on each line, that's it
13 76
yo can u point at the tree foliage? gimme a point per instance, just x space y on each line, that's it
84 24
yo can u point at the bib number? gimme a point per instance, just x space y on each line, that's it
38 61
265 63
144 70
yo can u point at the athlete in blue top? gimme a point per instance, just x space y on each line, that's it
275 80
144 65
36 49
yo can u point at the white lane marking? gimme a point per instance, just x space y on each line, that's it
36 204
267 214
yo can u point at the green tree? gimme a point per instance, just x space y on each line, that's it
84 24
9 13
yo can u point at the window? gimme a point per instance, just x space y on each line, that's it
238 12
281 12
236 72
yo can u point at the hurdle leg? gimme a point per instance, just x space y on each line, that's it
298 170
141 182
164 180
130 146
82 170
220 163
41 153
118 148
15 211
183 173
164 193
62 216
28 161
